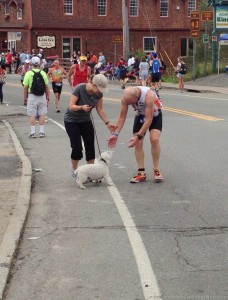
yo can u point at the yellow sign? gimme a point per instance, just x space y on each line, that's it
117 39
195 14
195 33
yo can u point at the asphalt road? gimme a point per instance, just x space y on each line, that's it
142 241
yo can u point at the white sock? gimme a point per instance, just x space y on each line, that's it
33 129
42 128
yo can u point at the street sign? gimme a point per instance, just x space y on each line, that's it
214 38
117 39
206 15
195 24
205 38
195 14
195 33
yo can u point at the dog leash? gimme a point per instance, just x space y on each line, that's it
95 133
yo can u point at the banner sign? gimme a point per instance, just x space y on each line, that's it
221 17
46 41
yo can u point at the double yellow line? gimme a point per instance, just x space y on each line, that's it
182 112
192 114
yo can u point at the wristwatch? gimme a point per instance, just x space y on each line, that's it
139 136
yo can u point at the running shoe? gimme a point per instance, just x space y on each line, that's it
42 135
32 136
58 110
157 175
141 176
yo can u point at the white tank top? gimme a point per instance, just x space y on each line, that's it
139 107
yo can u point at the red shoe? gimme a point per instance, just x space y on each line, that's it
141 176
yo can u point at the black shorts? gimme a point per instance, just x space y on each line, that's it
57 87
155 77
156 123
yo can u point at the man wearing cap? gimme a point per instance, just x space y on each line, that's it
36 104
55 74
77 119
79 73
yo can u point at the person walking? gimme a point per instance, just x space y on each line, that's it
22 70
136 70
148 116
36 87
79 73
143 71
155 69
9 59
2 82
180 75
55 75
77 119
122 71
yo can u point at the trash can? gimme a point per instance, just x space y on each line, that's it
226 69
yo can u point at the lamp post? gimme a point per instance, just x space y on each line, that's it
214 3
125 29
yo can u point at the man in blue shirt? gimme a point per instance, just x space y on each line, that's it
154 70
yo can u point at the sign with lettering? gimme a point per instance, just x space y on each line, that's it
46 41
221 17
117 39
195 14
195 33
206 15
194 24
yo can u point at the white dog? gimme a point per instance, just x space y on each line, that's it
95 171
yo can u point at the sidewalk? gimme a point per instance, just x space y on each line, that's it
15 182
16 174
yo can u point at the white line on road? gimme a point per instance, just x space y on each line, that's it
148 280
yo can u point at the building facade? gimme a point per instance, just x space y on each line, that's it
61 26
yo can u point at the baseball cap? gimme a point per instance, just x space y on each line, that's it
35 60
27 61
155 55
83 57
101 82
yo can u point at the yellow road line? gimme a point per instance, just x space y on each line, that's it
174 110
192 114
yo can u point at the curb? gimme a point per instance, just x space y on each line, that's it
13 232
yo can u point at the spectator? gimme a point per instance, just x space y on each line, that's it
143 71
136 70
92 61
180 76
2 82
9 59
122 71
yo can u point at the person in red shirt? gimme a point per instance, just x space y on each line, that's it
9 58
79 73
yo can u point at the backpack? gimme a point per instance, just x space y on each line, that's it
38 87
183 69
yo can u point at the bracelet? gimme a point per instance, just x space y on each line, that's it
81 107
106 123
115 134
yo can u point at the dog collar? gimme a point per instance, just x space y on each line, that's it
102 159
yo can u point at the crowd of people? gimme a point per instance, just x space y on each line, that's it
88 79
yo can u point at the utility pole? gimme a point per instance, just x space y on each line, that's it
125 29
214 3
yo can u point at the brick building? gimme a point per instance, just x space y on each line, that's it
61 26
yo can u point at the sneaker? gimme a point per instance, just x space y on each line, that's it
42 134
141 176
58 110
157 175
32 136
73 174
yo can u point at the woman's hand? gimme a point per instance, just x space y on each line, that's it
86 107
111 127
